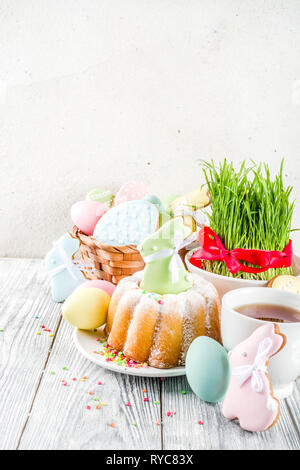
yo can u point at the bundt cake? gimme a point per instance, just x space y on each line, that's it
158 329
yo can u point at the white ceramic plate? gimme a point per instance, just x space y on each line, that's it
85 342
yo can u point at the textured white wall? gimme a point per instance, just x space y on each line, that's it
94 92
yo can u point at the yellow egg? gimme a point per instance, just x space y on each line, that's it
86 308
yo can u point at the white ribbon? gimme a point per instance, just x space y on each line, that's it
67 263
244 373
198 215
175 263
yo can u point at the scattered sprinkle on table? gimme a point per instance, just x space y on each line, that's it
183 392
52 372
171 413
133 424
96 399
146 399
99 383
158 423
200 422
103 403
38 333
1 331
112 425
98 407
144 390
64 368
74 379
156 402
128 404
88 407
91 393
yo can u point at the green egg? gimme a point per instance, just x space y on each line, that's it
154 200
164 215
208 369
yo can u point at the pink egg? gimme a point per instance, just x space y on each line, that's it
108 287
85 214
131 191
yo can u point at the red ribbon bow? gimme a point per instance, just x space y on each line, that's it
213 249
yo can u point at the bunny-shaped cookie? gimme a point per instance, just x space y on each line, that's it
249 397
64 272
164 272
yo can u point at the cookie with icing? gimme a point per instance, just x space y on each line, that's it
249 397
285 282
164 215
167 201
65 273
128 223
192 201
105 196
165 272
131 191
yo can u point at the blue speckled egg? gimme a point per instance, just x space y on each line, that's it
208 369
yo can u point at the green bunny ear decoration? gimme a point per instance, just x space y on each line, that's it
165 272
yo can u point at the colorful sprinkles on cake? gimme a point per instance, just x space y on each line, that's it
152 295
117 357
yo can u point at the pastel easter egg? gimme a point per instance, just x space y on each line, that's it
164 215
127 224
86 308
108 287
154 200
105 196
85 214
131 191
207 369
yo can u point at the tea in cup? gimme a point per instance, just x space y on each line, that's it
244 310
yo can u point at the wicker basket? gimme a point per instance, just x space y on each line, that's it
110 263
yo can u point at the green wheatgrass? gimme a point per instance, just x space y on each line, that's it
248 210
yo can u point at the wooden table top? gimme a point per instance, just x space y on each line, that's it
40 411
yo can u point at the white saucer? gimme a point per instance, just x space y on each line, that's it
86 343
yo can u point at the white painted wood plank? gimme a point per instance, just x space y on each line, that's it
293 404
24 294
60 420
182 431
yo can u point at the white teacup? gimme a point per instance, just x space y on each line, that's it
284 367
